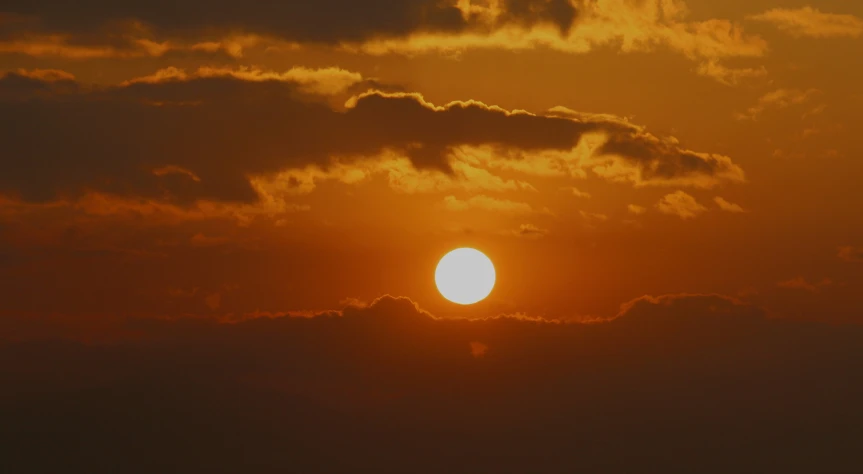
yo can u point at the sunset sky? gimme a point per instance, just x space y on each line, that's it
214 162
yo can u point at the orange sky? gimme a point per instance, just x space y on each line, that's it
290 159
220 223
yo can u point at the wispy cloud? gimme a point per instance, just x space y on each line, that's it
801 283
728 206
778 99
576 192
812 22
530 231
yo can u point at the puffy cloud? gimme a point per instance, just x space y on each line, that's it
680 204
728 206
226 136
812 22
662 162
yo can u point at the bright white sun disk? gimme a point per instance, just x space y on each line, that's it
465 276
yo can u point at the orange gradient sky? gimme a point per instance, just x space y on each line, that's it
231 164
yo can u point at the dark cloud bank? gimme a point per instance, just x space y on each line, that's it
676 384
62 138
323 21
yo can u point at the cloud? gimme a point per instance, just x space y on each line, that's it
666 163
729 76
635 209
593 216
36 83
800 283
626 26
486 203
46 75
778 99
530 231
727 206
674 305
812 22
851 254
323 81
401 175
141 29
172 169
129 40
238 131
576 192
680 204
462 392
328 21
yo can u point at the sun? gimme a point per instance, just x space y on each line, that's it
465 276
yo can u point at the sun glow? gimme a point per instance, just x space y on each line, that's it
465 276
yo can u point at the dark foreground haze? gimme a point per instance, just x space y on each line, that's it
675 384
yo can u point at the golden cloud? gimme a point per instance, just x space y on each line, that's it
680 204
628 26
576 192
251 136
778 99
728 206
812 22
324 81
729 76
